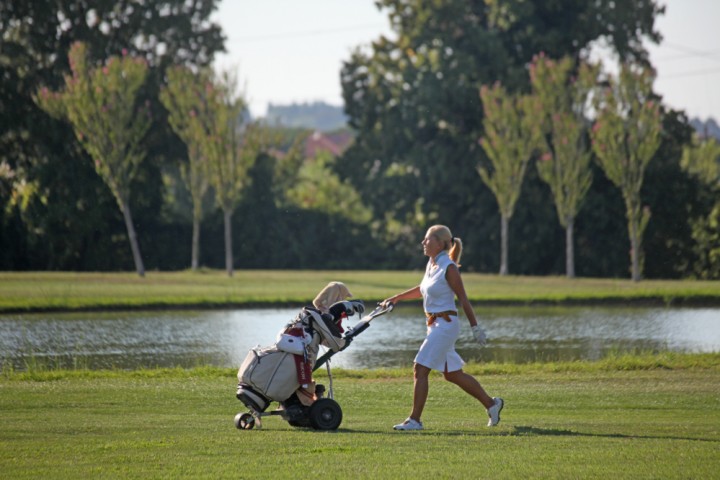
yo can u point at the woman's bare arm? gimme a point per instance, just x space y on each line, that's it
452 275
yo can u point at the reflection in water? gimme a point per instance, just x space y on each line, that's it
223 338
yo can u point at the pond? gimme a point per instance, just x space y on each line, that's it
127 340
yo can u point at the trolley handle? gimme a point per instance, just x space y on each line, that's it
364 323
354 331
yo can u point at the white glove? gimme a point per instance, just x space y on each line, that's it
479 334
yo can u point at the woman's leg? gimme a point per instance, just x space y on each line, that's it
420 390
468 383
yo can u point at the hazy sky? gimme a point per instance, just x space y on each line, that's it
289 51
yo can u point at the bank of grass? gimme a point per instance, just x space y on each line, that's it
624 417
640 361
44 291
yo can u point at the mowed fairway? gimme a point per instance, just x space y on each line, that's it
590 422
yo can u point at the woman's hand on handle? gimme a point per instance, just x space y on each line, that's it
406 295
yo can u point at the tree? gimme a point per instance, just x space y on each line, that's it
100 103
317 187
185 99
701 159
565 166
227 162
230 148
625 137
511 137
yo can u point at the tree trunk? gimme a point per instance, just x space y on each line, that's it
569 249
133 239
228 242
635 250
195 260
504 220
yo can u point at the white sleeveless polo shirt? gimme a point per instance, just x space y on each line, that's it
438 350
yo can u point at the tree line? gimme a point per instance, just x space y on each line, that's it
424 133
447 119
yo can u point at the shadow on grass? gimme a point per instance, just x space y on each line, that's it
519 431
558 432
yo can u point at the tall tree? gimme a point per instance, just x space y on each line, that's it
563 90
184 96
230 149
625 137
701 159
511 137
101 105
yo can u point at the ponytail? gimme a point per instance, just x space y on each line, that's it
456 249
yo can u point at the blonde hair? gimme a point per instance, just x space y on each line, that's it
452 244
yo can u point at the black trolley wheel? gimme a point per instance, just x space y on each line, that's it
244 421
325 414
302 423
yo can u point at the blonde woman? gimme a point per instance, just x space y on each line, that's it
439 287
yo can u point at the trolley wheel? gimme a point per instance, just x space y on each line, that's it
303 423
325 414
244 421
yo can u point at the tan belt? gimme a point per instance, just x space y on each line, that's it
431 317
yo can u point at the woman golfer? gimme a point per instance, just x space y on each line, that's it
438 289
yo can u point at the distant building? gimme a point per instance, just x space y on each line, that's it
333 143
706 129
316 116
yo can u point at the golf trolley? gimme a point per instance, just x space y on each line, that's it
271 374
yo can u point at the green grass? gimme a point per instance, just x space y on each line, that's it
624 417
31 291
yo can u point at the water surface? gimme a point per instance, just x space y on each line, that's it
223 338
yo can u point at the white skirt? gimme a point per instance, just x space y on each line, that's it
438 350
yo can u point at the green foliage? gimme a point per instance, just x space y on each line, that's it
101 104
217 123
706 233
563 89
15 191
511 138
228 163
184 98
413 99
625 137
563 94
317 187
701 159
71 221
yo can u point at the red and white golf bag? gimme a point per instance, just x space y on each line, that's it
276 372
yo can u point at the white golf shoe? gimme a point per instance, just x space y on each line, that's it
409 424
494 411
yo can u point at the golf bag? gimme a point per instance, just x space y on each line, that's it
279 371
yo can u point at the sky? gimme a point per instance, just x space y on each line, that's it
289 51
